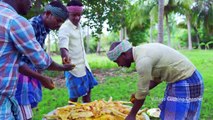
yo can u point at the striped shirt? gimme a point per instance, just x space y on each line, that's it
29 89
16 37
40 32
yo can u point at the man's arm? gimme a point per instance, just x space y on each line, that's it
154 83
65 56
64 41
56 67
137 104
144 68
23 37
45 81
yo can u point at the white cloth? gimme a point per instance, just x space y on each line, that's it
120 48
26 112
71 38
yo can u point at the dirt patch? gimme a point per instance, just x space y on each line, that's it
99 74
59 81
102 74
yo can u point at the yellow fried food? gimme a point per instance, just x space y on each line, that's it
52 117
63 114
73 66
96 110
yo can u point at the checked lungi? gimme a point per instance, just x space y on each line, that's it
9 109
182 99
79 86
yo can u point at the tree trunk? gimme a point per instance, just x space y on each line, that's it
98 50
168 31
87 40
151 36
160 20
48 44
56 41
123 33
54 37
197 37
151 30
189 33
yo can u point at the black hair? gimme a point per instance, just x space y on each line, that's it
75 3
58 4
114 44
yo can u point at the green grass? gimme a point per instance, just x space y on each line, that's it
95 61
121 86
203 60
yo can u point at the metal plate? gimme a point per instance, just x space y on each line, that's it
52 112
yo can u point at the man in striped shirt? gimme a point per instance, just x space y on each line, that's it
29 89
17 37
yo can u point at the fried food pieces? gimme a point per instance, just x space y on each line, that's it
96 110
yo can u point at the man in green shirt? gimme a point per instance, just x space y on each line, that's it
155 63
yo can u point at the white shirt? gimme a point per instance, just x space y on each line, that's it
71 38
157 61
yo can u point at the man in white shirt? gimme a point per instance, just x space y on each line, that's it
80 80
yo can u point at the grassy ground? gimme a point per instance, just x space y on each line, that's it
123 84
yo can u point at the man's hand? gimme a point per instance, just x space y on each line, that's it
130 117
67 63
68 67
66 60
132 99
137 104
47 82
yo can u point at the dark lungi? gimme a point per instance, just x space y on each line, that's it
182 99
79 86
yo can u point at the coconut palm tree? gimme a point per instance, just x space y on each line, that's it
203 12
141 12
170 7
160 20
205 15
185 9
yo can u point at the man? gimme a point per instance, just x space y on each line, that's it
80 80
155 63
29 91
17 37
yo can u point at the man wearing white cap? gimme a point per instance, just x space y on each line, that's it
155 63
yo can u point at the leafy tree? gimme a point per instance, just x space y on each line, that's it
203 25
37 8
170 7
138 36
204 8
111 11
142 14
